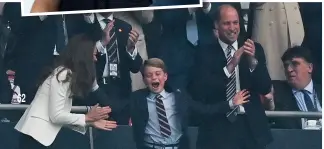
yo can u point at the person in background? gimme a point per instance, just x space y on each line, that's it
73 75
277 27
136 19
116 59
160 113
300 92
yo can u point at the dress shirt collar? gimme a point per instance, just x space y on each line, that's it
100 17
224 45
309 88
162 93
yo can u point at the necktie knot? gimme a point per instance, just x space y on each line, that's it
229 49
158 96
304 91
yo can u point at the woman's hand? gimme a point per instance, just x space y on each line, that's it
241 97
104 124
97 113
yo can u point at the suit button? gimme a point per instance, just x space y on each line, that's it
284 22
295 8
298 22
270 9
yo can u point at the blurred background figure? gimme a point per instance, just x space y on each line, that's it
277 27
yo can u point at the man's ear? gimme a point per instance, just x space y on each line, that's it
165 76
310 68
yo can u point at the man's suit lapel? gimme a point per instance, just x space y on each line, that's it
142 104
291 104
220 52
318 90
180 105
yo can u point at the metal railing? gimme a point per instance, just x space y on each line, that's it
84 109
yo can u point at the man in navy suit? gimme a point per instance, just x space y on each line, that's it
224 67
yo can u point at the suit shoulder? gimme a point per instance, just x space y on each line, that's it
137 93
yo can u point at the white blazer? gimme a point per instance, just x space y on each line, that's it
50 110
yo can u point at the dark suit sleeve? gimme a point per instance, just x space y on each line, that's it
99 96
134 65
135 117
261 80
209 109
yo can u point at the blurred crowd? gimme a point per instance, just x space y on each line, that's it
287 38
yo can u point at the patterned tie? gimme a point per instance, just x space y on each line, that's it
163 121
308 102
231 86
112 47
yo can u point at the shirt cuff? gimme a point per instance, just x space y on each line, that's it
231 105
226 72
134 54
207 10
100 48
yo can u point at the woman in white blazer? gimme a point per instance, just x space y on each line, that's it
72 76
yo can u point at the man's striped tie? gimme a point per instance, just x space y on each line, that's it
231 86
112 47
163 121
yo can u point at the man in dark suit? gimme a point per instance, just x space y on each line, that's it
117 57
299 92
223 68
160 114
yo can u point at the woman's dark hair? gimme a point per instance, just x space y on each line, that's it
77 57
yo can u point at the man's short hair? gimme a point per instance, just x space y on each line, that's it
297 52
216 15
154 62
